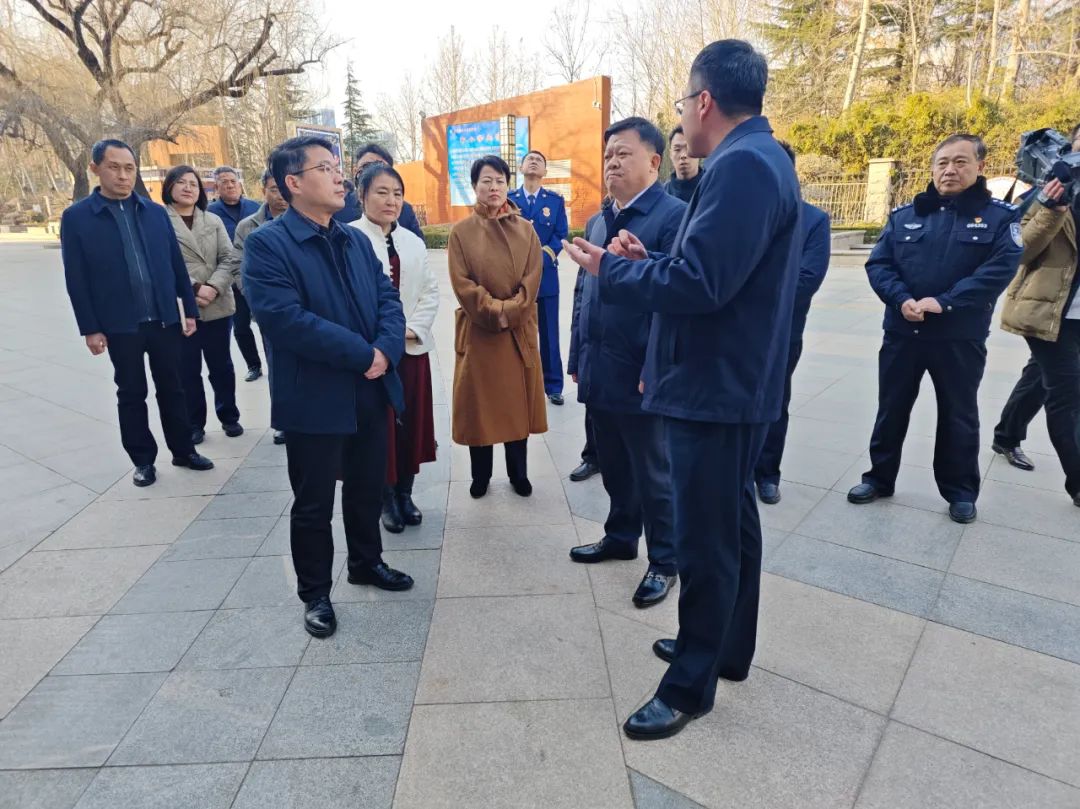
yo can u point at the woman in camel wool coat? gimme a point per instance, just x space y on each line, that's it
495 267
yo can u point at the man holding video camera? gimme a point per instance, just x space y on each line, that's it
1041 305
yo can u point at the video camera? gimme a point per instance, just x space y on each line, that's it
1046 154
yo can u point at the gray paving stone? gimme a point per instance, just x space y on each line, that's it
182 586
587 498
1010 703
633 669
343 711
814 466
1032 563
613 585
334 783
270 581
650 794
426 536
1027 509
26 479
550 647
558 755
1046 626
31 648
907 534
256 504
769 742
423 566
175 483
914 770
73 721
385 632
501 507
798 501
258 479
265 455
888 582
117 524
255 637
192 786
220 539
57 583
277 540
205 716
123 644
33 518
43 789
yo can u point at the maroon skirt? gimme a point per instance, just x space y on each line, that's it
412 442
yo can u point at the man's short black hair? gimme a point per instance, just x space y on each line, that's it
288 158
536 152
734 74
676 131
787 150
173 177
267 177
376 149
963 137
491 161
648 132
97 153
373 171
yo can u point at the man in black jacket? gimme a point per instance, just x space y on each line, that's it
688 169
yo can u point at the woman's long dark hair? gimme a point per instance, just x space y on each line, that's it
173 177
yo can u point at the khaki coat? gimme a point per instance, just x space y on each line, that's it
207 253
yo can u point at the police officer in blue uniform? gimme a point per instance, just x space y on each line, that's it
715 365
547 211
940 265
607 354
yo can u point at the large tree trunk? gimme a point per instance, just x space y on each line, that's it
857 55
1012 67
991 51
969 81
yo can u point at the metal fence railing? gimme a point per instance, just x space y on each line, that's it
843 197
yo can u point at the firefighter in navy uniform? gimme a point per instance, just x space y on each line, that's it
940 265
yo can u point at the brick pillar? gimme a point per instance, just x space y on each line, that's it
879 176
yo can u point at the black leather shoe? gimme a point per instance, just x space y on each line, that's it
768 493
194 461
479 488
865 493
656 720
522 486
144 475
233 430
319 618
279 437
557 399
584 472
1014 456
1076 499
665 650
653 589
391 514
380 575
410 514
198 436
253 374
962 512
601 551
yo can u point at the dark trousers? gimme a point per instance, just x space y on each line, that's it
516 460
956 369
718 544
588 452
768 465
547 314
1026 400
245 337
637 478
210 342
314 463
1060 366
163 346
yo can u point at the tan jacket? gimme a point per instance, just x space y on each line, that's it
1035 300
495 268
207 253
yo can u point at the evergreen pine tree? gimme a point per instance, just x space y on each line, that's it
358 126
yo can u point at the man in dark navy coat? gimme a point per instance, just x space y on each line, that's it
547 211
607 354
939 266
813 264
715 366
336 329
367 154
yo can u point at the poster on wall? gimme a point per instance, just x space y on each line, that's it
465 143
326 133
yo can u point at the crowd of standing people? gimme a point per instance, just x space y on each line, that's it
688 315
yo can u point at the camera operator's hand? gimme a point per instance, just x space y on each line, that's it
1053 191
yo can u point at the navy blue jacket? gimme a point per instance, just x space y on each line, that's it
97 274
247 208
323 325
962 250
608 342
723 299
814 263
352 211
548 216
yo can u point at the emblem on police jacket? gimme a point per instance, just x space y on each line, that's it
913 225
1017 234
546 211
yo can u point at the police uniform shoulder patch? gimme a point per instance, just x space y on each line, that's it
1017 234
902 207
1002 204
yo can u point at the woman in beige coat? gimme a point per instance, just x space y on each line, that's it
206 248
495 266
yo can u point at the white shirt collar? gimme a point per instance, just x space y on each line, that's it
615 207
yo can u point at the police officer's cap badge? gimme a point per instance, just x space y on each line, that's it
1017 235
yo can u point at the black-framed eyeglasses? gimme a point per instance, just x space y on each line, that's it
325 168
679 103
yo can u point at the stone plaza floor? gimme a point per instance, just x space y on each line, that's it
152 653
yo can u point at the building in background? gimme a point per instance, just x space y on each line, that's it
324 117
202 147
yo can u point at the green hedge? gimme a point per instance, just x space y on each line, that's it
436 236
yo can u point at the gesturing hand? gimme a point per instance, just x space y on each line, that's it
96 343
585 255
627 245
379 366
911 311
